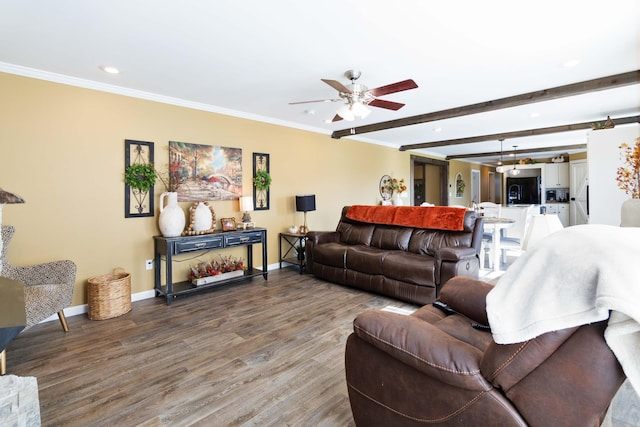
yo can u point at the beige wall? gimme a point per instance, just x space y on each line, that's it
63 152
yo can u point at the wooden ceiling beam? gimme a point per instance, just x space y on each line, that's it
515 134
603 83
512 152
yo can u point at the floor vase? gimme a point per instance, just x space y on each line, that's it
630 213
172 218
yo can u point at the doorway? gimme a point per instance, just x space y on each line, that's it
475 186
578 192
430 178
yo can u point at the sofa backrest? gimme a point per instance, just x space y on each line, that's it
412 239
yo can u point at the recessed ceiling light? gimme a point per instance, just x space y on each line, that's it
571 63
110 70
534 115
437 129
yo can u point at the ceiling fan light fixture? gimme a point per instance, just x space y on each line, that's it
359 110
346 113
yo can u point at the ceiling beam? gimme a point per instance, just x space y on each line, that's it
512 152
515 134
603 83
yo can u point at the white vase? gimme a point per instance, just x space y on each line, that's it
172 217
630 213
202 218
396 199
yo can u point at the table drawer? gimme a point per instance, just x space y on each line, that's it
243 239
199 245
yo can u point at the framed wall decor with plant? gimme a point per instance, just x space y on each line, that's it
139 178
261 181
459 185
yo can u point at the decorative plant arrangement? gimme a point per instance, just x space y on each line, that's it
628 176
262 181
213 271
391 185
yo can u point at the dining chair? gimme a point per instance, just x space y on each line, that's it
48 286
513 237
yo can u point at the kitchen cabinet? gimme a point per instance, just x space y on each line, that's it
556 175
560 209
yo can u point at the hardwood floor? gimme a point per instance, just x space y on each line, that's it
265 353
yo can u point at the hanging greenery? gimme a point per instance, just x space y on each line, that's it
262 180
140 176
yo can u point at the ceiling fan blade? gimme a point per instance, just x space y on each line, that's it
317 100
337 86
389 105
394 87
337 118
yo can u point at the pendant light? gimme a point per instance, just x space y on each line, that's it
500 168
514 171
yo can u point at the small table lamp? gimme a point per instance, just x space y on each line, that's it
246 206
305 203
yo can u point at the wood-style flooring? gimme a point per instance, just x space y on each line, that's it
262 353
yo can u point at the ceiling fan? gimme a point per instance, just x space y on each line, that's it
358 96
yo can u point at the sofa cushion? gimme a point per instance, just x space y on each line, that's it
355 234
365 259
332 254
409 267
390 237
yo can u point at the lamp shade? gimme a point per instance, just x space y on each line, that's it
246 203
305 202
346 113
539 228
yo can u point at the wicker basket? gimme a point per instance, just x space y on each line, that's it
109 295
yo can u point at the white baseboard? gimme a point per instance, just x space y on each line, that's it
138 296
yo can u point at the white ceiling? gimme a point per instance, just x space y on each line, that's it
252 58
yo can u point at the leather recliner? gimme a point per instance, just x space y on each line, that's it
443 368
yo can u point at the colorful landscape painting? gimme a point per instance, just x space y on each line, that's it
205 172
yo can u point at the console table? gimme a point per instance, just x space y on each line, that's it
12 315
170 246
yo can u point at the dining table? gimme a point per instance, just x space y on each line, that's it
495 226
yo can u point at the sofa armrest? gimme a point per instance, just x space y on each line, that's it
317 238
468 297
455 253
424 347
456 261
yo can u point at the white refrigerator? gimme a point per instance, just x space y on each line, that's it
603 156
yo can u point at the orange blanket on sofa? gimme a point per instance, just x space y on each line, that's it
436 217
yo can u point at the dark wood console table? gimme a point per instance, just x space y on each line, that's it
13 317
170 246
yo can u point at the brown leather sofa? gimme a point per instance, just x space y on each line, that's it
407 263
434 368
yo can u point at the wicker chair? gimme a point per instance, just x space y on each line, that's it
48 286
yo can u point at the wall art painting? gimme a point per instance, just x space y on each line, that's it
205 172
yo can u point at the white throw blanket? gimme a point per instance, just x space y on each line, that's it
571 278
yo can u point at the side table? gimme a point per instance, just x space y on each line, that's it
292 242
13 318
